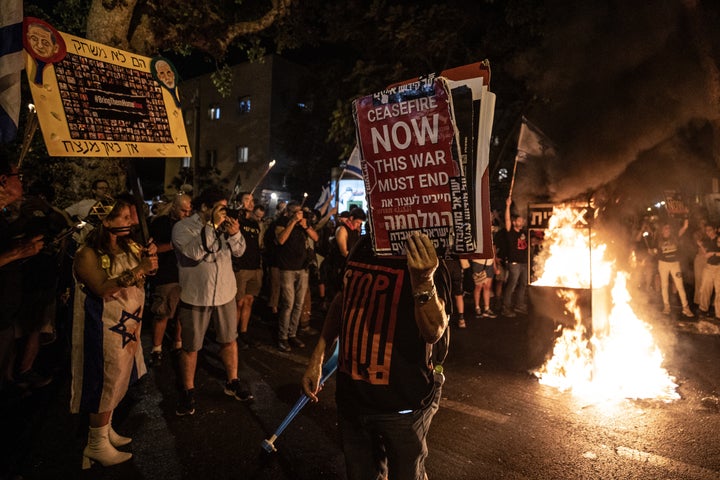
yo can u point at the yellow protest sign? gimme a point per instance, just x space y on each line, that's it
93 100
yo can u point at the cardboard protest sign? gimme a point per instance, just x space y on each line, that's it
93 100
675 204
411 167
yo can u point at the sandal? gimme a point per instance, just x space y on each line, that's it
461 323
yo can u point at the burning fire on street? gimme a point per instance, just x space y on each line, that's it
618 359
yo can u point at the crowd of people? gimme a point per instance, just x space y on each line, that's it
677 263
85 275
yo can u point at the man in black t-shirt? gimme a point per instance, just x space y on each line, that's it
516 243
387 318
165 283
247 268
292 256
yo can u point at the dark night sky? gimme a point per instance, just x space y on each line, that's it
632 92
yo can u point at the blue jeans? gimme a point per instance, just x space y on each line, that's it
389 445
516 286
293 285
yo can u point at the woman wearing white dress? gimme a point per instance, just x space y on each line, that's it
106 351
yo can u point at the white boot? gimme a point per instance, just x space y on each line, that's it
116 440
100 450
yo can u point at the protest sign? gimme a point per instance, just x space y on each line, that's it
424 147
411 167
93 100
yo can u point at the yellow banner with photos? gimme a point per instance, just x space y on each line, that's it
93 100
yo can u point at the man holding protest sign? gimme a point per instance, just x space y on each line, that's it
397 309
391 315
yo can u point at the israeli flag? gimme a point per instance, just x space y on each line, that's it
11 64
323 196
353 164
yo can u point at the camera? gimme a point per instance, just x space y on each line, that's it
234 212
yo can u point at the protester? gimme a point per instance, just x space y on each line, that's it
347 234
387 317
456 266
165 283
667 252
646 269
106 351
293 259
204 244
15 245
247 268
40 275
710 279
483 272
516 244
271 272
100 192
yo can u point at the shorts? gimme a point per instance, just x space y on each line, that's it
482 272
248 282
165 300
195 320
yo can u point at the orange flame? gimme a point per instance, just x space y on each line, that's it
620 360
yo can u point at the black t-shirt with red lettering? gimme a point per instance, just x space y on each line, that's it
384 363
516 244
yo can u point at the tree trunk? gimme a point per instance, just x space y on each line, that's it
111 26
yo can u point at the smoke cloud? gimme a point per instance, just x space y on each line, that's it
630 94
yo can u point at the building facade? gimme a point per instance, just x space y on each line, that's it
234 138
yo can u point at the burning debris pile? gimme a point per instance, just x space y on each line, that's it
614 356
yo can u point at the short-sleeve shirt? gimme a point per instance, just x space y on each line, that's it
384 363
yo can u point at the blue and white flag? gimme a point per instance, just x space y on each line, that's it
323 196
11 64
352 166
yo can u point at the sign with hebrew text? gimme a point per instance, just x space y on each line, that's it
410 162
98 101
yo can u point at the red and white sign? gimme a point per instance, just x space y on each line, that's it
412 175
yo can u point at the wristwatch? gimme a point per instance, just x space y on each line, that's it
424 297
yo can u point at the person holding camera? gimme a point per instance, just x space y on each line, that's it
204 244
293 259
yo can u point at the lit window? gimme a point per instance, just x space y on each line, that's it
186 162
214 112
244 104
242 154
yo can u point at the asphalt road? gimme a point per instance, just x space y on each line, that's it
495 422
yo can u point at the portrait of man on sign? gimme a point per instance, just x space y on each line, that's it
164 72
43 43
